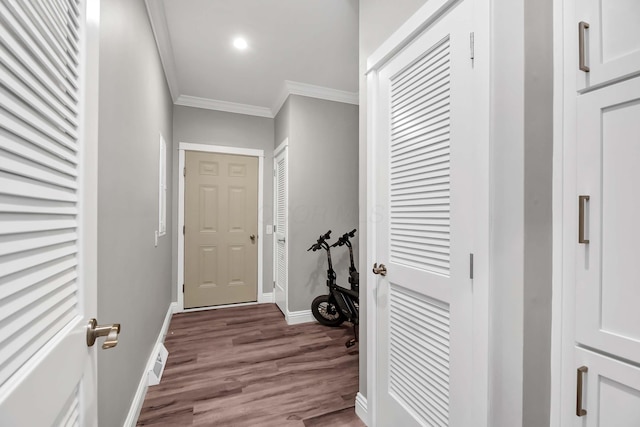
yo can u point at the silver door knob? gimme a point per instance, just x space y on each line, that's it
110 331
382 270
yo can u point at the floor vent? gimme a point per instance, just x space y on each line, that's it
155 373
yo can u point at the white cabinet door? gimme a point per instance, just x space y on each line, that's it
608 267
48 183
611 41
280 196
424 190
610 391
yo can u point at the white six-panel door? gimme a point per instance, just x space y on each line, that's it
424 184
48 164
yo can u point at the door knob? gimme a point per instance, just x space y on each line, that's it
382 270
110 331
253 238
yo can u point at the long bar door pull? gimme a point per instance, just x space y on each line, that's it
580 411
582 27
581 222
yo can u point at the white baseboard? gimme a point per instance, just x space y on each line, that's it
264 298
141 392
297 317
361 408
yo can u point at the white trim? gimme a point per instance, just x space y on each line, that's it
361 408
265 297
420 21
369 250
229 107
289 88
221 149
313 91
557 213
217 307
284 144
298 317
141 392
158 20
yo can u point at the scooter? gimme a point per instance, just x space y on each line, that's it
341 304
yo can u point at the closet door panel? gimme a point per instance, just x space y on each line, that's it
608 266
611 40
610 393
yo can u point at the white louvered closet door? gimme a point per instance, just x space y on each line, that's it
47 211
424 183
280 234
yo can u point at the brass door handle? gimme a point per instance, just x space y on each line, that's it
382 270
110 331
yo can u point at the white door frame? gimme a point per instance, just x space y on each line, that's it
398 41
219 149
283 145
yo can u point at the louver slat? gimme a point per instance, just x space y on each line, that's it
39 59
70 416
420 163
419 355
281 219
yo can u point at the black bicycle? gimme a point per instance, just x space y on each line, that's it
341 304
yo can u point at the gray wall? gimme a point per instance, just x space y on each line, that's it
282 123
200 126
133 276
378 20
323 189
538 173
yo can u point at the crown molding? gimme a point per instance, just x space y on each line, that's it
158 19
313 91
229 107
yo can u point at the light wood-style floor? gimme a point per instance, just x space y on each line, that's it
245 367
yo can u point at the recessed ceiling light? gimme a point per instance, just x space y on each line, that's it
240 43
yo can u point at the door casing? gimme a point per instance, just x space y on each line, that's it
219 149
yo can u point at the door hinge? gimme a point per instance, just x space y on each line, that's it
471 266
274 172
184 171
183 288
472 44
183 229
275 228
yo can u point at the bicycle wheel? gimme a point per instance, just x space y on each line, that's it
326 312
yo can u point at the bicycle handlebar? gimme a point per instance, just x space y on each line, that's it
345 238
322 239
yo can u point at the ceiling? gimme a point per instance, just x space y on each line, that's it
305 47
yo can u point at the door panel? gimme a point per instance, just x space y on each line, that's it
208 209
280 234
48 216
607 267
611 391
221 215
424 183
612 40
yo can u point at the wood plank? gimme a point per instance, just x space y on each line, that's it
244 366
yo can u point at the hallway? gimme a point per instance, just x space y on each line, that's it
245 366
